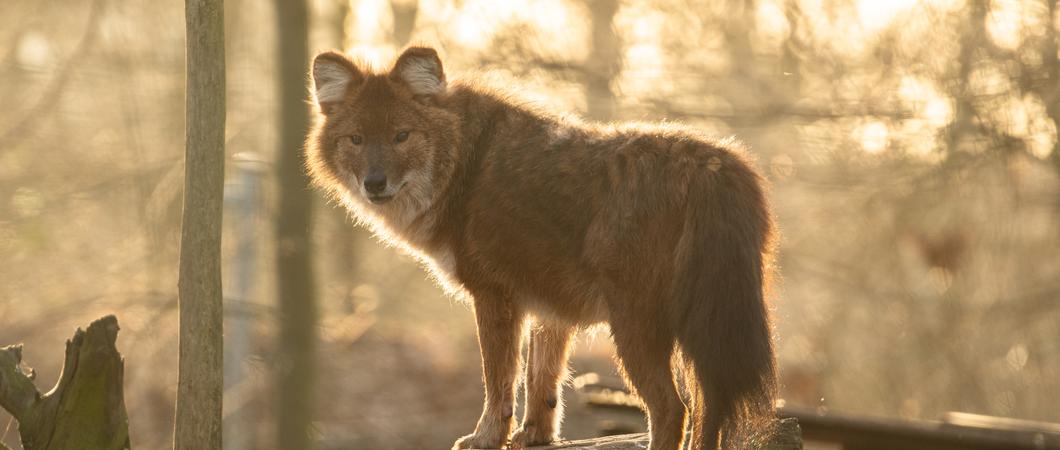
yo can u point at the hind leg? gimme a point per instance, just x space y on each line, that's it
546 369
706 423
644 349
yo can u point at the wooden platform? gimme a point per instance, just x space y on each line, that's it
789 437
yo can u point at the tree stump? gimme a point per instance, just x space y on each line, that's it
86 408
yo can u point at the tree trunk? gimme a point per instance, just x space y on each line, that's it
297 294
200 386
404 12
1050 93
86 408
604 62
329 25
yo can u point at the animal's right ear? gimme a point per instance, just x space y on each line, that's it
333 75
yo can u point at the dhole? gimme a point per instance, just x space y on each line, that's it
658 230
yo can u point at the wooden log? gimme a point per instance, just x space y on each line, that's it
86 408
788 436
960 431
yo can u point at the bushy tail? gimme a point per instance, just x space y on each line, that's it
724 329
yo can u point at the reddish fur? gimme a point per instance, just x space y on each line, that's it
658 230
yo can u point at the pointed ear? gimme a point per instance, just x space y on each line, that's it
420 69
333 75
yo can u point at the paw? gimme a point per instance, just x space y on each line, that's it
531 436
476 441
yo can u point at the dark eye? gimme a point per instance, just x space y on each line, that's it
401 136
356 139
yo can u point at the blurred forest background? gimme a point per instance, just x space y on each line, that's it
912 147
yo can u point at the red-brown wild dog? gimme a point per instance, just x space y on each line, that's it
658 230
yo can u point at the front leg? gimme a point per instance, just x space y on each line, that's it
500 332
546 369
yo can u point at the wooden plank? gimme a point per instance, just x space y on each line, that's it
788 437
870 433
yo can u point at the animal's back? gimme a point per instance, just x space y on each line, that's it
558 207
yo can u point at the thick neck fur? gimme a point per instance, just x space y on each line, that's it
484 115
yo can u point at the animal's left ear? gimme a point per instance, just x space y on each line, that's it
420 69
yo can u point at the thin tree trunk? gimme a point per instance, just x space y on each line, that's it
1050 94
297 292
199 390
329 26
605 61
404 12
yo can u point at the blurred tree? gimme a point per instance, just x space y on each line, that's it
604 62
297 287
404 12
327 30
1050 90
201 376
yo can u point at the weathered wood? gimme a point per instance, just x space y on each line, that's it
199 388
958 432
611 393
788 437
86 408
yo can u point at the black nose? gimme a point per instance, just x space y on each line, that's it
375 183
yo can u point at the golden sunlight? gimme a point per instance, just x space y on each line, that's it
873 136
927 103
773 27
1004 24
874 15
931 109
368 27
1027 118
473 24
644 59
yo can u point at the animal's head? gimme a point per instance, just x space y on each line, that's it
382 140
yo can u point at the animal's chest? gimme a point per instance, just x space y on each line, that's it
441 264
415 235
